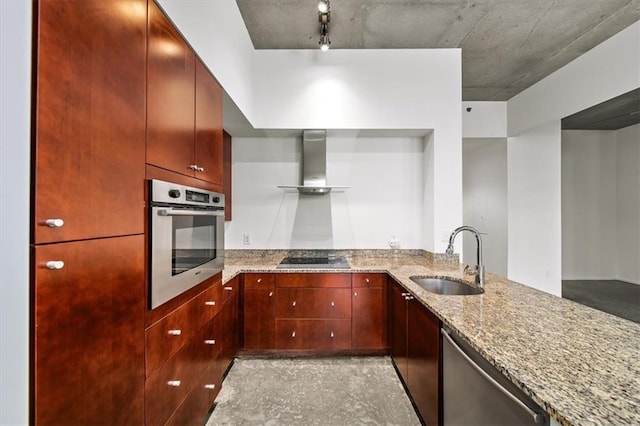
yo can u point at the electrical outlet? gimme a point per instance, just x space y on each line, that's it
246 239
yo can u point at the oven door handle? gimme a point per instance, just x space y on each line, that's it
174 212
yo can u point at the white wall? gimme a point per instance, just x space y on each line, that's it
385 199
589 204
608 70
15 112
485 120
628 255
484 190
533 193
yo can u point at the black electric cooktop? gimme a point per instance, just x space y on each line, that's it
314 262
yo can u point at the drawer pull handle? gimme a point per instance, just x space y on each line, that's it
174 383
193 167
54 223
270 293
408 298
332 335
229 288
200 169
259 280
367 280
175 332
294 304
211 386
293 334
55 264
405 294
210 342
210 303
333 304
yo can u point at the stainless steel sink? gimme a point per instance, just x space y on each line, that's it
446 286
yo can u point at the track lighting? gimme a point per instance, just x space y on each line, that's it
324 16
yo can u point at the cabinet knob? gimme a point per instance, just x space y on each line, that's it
229 288
193 166
174 383
259 280
333 303
200 169
174 332
210 342
332 335
55 264
293 304
355 294
54 223
210 303
270 293
210 386
293 334
366 280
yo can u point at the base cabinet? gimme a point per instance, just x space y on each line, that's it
188 352
415 349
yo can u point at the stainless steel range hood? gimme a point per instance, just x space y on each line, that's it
314 164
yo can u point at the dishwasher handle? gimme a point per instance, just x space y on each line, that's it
537 417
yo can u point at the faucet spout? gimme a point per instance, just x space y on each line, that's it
479 266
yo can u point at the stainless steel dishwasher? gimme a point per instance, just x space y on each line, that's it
476 393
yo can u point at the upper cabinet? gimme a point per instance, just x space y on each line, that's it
184 106
89 120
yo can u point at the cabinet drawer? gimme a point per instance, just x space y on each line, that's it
167 387
196 406
367 280
312 280
313 334
334 303
230 288
208 304
259 280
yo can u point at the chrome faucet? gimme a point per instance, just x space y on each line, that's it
478 270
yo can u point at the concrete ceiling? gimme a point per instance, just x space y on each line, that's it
507 45
617 113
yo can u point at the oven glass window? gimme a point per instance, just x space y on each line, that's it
194 242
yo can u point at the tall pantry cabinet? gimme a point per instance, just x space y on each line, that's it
88 276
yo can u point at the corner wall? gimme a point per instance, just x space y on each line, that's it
15 145
535 245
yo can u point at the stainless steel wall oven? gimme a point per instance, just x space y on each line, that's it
186 238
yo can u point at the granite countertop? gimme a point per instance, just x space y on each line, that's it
580 364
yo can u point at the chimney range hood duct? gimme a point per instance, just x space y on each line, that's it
314 164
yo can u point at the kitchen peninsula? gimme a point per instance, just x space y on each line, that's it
581 365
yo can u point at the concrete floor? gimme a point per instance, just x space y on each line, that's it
313 391
618 298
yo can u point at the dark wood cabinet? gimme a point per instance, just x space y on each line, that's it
170 96
208 148
369 311
89 332
318 335
258 311
231 323
415 349
227 179
309 303
184 106
89 117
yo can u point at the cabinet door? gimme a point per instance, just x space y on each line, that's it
89 332
208 126
90 120
368 319
332 303
170 96
424 361
259 322
230 332
398 329
316 335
